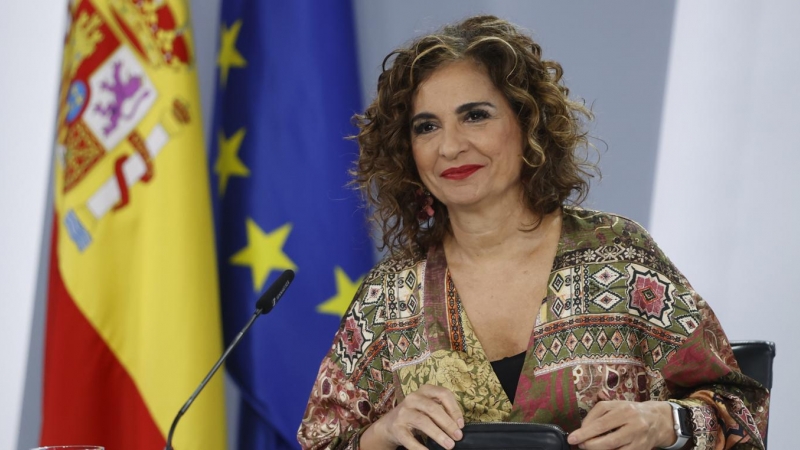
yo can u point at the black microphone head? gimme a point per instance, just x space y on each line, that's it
274 292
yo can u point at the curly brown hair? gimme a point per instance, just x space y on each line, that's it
552 124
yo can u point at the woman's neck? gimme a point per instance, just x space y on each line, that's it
498 232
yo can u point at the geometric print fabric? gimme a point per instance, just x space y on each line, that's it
619 321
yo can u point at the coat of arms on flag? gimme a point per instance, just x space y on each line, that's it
133 318
107 97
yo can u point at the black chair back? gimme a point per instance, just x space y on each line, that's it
755 360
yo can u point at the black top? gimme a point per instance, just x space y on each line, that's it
508 371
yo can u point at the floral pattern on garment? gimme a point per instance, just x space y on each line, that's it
619 322
473 382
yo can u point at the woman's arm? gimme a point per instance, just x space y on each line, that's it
727 408
353 387
694 367
353 403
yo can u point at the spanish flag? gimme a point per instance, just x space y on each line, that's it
133 318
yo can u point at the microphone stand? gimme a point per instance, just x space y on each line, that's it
263 306
208 378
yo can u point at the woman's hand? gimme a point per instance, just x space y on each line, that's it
615 424
431 410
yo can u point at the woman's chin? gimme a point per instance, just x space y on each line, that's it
470 205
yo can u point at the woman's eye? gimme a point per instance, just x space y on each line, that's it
424 127
476 115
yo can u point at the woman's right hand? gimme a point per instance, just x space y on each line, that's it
431 410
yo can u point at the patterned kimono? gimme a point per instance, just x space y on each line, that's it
619 322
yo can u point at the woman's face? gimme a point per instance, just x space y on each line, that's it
465 138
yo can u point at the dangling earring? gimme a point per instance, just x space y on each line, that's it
425 202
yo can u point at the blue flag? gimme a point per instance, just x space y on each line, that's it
287 88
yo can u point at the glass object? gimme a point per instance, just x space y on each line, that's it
70 447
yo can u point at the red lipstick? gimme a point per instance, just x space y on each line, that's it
460 172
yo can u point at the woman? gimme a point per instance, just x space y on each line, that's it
500 302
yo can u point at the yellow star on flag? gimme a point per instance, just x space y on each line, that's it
345 291
228 163
264 252
228 55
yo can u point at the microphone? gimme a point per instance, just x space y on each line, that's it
275 291
263 306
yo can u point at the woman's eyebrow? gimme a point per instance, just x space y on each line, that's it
461 109
423 115
468 106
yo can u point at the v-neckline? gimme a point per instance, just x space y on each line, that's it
469 340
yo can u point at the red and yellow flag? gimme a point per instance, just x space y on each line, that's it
133 315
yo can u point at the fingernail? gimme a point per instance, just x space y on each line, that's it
449 443
460 423
572 439
459 434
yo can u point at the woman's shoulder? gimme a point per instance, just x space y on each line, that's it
585 218
599 228
597 237
395 265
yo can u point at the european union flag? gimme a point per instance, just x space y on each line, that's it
287 87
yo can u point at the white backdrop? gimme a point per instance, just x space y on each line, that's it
723 194
30 56
726 200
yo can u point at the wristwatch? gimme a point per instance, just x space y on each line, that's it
680 422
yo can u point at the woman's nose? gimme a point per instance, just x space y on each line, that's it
453 142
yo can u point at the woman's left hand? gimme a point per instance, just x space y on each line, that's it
616 424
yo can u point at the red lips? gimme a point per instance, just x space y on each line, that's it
460 172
